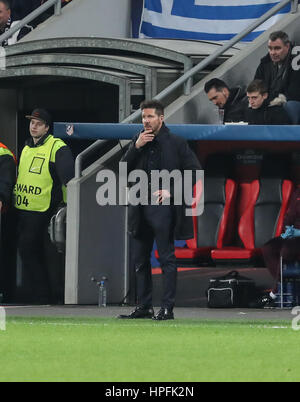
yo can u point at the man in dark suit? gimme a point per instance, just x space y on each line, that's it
156 149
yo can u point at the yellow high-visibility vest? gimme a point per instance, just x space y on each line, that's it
34 183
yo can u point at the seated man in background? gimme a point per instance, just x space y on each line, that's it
276 70
231 101
6 23
261 111
287 248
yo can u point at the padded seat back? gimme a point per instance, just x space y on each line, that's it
212 225
267 205
263 218
270 208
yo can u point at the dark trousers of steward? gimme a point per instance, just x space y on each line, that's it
42 270
158 223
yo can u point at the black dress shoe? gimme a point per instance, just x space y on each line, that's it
139 312
164 314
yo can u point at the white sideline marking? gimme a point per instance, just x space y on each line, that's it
2 319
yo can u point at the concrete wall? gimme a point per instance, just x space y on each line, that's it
88 18
100 247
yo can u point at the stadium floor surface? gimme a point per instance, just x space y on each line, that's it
180 312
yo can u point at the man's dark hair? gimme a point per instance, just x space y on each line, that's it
6 3
280 35
153 104
257 86
216 84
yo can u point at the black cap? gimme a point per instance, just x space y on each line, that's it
41 114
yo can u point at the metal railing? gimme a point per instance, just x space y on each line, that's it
191 73
87 152
30 17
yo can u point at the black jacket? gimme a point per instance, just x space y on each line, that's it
236 105
268 115
175 155
287 82
7 178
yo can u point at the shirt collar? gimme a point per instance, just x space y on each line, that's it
161 132
40 142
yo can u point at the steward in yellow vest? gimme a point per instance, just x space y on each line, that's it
46 166
35 187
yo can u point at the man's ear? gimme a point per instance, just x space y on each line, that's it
266 95
226 92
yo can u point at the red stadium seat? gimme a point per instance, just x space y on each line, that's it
212 228
262 220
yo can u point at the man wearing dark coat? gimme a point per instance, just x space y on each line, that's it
231 101
263 112
278 72
157 149
7 22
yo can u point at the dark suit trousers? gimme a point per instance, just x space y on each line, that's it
289 249
158 222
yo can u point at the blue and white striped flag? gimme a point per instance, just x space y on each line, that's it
215 20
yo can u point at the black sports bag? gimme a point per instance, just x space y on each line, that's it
231 290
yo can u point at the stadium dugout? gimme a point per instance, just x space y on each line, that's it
92 74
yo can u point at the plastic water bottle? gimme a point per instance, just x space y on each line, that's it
221 116
103 292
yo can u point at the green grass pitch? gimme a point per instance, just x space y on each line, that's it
183 350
